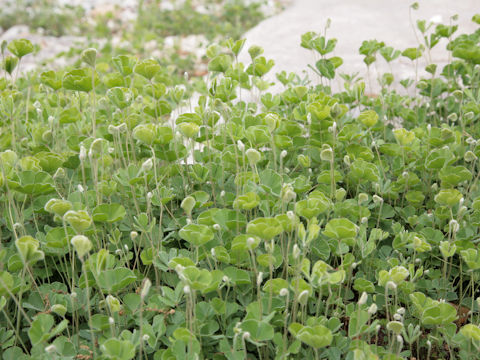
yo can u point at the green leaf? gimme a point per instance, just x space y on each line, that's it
326 68
80 80
148 68
363 285
315 336
265 228
108 213
196 235
368 118
258 330
220 63
363 171
448 197
114 280
412 53
439 314
471 331
6 283
198 279
275 286
27 247
79 220
40 329
341 229
32 182
118 349
316 204
20 47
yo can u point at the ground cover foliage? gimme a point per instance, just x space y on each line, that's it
303 225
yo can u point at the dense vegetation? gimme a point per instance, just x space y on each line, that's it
139 223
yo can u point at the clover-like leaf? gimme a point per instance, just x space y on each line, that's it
220 63
108 213
404 137
27 247
124 64
32 182
113 280
275 286
246 201
362 171
80 80
448 197
58 206
265 228
471 258
258 330
147 68
197 279
471 331
316 204
341 229
315 336
196 235
6 283
40 329
118 349
79 220
51 79
20 47
439 314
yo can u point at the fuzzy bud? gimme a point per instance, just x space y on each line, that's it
296 252
240 145
51 349
372 309
147 165
59 309
147 284
453 117
391 285
453 226
253 156
113 303
288 193
259 278
362 198
397 317
340 194
470 156
377 199
81 244
327 154
83 153
303 297
363 298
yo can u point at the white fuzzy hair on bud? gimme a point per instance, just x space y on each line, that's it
363 298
